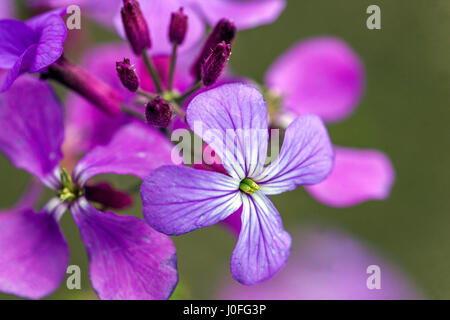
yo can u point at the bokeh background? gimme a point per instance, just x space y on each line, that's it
404 112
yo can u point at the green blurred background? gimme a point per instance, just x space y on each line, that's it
404 112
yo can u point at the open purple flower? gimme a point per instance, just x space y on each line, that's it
128 259
232 119
323 76
328 264
30 46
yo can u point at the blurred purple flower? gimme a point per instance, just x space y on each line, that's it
326 264
30 46
179 199
7 9
128 259
323 76
245 14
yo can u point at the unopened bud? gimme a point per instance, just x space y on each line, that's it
135 26
178 27
214 65
158 112
225 31
127 75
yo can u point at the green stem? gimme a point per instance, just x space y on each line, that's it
151 69
173 64
146 94
194 88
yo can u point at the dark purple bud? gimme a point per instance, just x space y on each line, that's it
214 65
103 193
127 75
158 112
135 26
225 30
178 27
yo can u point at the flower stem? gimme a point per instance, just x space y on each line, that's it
131 112
145 94
151 69
91 88
173 64
185 95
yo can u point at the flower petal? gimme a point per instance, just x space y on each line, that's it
306 157
33 253
245 14
32 124
357 176
128 259
179 199
15 38
52 34
263 245
232 119
21 66
136 149
158 14
320 76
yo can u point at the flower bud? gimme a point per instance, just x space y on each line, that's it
158 112
214 65
178 27
127 75
224 30
135 26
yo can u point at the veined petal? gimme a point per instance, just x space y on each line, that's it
128 259
136 149
52 34
357 176
263 245
179 199
33 253
32 124
232 119
321 76
306 157
245 14
15 38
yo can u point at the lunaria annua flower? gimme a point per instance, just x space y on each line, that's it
178 199
30 46
324 76
327 264
128 259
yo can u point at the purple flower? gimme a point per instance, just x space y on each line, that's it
7 9
128 259
327 264
179 199
30 46
323 76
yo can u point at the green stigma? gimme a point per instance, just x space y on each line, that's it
171 95
248 186
69 191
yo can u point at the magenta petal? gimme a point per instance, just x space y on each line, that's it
263 246
128 259
52 34
21 65
32 124
232 119
179 199
306 157
15 38
33 253
320 76
357 176
7 9
136 149
245 14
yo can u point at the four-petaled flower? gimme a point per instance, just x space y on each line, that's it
128 259
232 119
